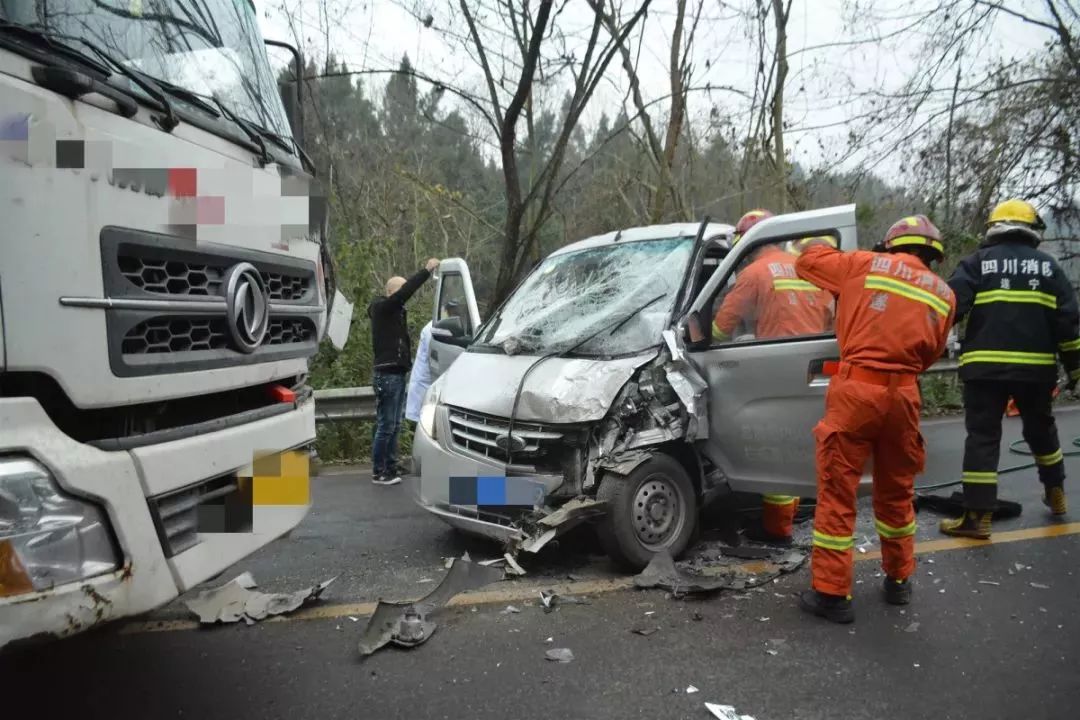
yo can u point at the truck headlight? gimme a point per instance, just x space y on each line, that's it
427 410
47 537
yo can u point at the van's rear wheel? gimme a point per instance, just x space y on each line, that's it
653 508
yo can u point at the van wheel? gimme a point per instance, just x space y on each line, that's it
653 508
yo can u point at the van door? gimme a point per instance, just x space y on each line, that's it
767 391
455 317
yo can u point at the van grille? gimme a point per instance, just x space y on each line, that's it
488 436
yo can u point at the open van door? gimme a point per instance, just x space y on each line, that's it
766 394
455 317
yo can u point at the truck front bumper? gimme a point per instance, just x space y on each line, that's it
123 484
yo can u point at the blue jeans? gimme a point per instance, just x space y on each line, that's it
389 408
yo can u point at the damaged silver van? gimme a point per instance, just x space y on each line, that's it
598 384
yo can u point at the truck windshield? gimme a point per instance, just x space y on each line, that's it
208 47
629 287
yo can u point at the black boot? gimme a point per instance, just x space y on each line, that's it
834 608
897 592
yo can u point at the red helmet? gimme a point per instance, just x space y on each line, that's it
914 230
748 221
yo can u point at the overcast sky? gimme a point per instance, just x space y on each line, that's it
374 34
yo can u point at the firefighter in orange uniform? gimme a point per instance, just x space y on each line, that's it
771 301
893 323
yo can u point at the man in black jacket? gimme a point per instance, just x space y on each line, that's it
1022 316
392 359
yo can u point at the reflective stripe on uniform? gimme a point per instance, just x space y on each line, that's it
903 289
1052 459
1016 296
1007 357
840 543
1070 345
888 531
799 285
779 499
718 334
979 478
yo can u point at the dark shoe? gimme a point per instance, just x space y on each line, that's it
834 608
389 479
756 533
974 524
897 592
1054 498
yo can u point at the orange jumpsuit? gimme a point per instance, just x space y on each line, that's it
893 323
773 302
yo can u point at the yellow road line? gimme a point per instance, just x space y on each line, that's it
530 591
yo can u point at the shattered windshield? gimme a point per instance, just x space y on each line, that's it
621 292
212 48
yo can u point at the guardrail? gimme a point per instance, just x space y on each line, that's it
358 403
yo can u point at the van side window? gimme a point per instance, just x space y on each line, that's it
766 300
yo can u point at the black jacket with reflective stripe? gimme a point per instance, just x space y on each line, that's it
1022 313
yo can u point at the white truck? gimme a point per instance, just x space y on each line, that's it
164 282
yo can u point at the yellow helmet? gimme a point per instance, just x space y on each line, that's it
1016 211
796 247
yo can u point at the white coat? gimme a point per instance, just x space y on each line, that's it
420 379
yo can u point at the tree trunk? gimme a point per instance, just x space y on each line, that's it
780 17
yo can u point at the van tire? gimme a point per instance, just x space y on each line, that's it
626 527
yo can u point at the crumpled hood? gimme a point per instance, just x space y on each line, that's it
559 390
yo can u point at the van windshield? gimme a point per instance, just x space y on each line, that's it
622 292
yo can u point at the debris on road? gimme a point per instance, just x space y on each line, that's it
645 631
913 627
725 712
773 646
1039 586
989 582
512 567
424 581
549 599
690 690
510 610
559 655
663 573
747 552
406 624
236 600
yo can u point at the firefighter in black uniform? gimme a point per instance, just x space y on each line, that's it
1022 315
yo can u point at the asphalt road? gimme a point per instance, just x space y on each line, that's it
990 633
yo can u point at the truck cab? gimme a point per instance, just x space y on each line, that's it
164 282
599 384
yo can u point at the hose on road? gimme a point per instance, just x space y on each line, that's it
1016 448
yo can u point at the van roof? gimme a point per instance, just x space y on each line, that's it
648 232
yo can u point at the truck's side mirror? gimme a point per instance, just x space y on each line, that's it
292 91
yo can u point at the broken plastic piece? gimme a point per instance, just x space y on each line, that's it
1039 586
235 601
510 610
406 624
645 631
560 655
690 689
725 712
913 627
662 573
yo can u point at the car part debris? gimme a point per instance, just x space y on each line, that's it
549 599
913 627
510 610
645 631
512 567
662 573
1039 586
560 655
690 690
236 600
407 624
748 552
989 582
725 712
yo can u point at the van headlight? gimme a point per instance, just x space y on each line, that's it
427 410
47 537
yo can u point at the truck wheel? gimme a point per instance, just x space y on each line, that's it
653 508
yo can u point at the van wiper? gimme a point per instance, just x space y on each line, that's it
25 32
189 97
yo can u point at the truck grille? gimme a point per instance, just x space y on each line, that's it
488 436
191 334
177 515
176 277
